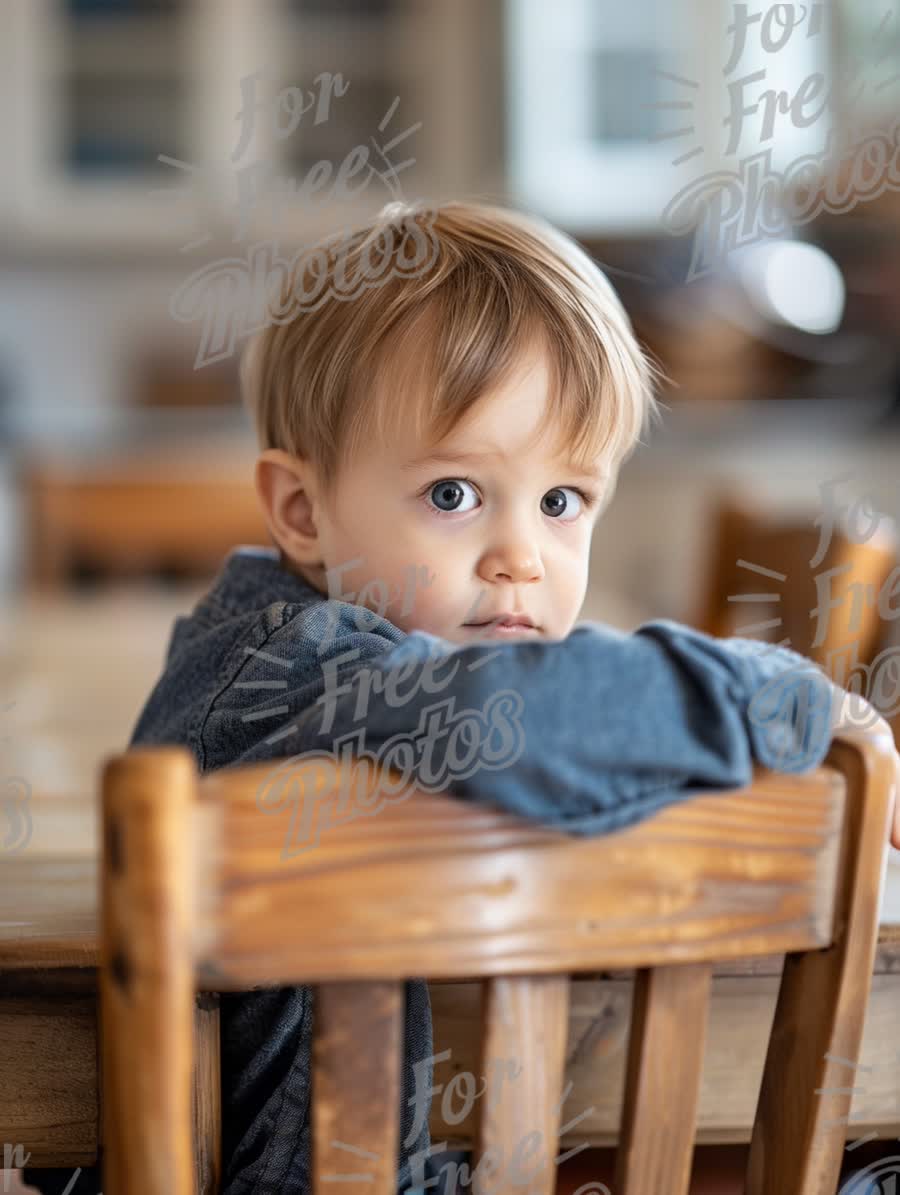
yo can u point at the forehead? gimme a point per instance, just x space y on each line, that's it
510 424
493 455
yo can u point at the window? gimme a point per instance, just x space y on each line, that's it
615 108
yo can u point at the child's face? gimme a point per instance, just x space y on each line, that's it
514 538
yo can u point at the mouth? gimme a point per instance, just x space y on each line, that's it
506 624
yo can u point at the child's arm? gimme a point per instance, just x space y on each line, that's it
586 734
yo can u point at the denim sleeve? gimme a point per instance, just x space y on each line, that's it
586 734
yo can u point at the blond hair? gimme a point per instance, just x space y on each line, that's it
316 381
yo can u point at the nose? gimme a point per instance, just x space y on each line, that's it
516 560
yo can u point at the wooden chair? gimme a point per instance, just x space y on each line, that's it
761 584
196 891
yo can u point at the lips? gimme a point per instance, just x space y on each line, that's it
505 619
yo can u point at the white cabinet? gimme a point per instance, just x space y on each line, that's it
95 92
636 118
121 126
126 122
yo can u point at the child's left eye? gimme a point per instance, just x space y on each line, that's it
555 504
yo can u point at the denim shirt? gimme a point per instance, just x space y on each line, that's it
588 735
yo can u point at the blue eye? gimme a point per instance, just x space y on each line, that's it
554 502
448 495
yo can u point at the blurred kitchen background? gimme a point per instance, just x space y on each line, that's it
737 178
734 167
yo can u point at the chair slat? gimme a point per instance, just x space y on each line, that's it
809 1073
146 975
662 1079
523 1054
357 1053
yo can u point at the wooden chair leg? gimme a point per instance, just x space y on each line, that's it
146 973
808 1078
206 1096
662 1085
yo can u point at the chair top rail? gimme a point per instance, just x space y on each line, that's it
433 886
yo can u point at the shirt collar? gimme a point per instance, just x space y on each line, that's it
251 577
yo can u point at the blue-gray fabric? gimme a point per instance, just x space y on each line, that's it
588 735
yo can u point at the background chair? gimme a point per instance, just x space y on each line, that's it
195 891
761 584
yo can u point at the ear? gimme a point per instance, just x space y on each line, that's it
287 490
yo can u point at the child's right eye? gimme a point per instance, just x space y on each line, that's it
448 496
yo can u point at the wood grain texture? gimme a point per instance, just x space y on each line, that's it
206 1096
520 1073
48 913
146 976
662 1079
742 1008
438 887
48 1078
61 1117
357 1046
814 1046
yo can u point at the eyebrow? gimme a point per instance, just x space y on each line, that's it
462 458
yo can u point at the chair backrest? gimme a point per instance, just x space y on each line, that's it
761 584
201 891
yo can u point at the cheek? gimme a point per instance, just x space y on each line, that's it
434 587
405 587
571 573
